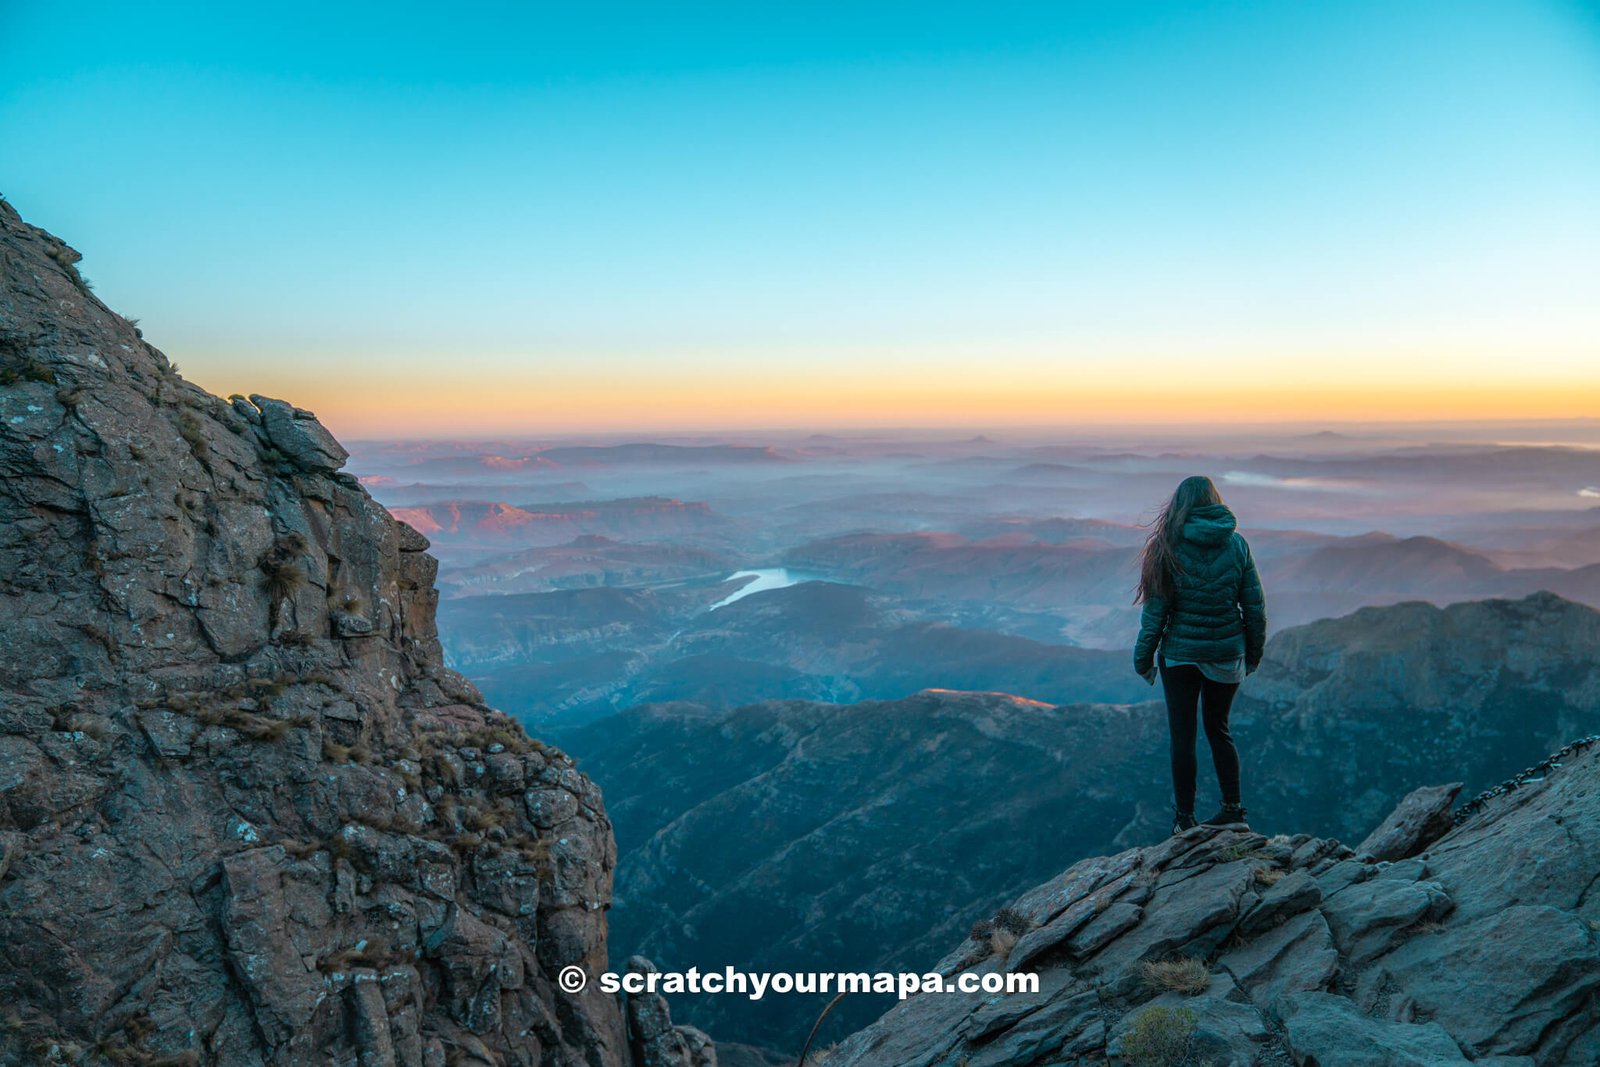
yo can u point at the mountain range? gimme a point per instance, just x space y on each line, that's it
463 526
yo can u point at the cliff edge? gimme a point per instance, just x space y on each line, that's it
1220 946
246 814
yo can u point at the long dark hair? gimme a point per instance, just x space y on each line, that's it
1157 561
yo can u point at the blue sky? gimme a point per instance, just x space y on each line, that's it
528 216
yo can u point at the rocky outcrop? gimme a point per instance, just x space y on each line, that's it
295 432
656 1042
1418 821
1225 946
246 814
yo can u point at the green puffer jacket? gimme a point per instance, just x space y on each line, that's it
1217 611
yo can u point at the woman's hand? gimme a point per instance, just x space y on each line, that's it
1149 675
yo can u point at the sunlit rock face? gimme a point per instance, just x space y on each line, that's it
246 814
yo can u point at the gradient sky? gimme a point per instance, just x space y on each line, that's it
533 218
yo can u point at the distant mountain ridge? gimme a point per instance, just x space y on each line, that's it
1079 589
572 655
496 526
551 457
653 452
589 560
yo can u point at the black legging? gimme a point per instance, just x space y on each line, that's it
1185 686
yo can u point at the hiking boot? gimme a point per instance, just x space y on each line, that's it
1183 820
1229 815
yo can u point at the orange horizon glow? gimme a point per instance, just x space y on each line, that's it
356 404
550 220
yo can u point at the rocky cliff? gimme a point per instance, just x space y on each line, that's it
246 815
1226 947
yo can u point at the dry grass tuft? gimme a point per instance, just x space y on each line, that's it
1001 933
284 579
1001 942
1012 920
1181 974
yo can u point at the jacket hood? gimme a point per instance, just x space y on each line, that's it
1209 524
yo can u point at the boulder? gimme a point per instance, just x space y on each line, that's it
1298 956
1498 983
1417 822
298 435
1371 917
652 1037
1321 1028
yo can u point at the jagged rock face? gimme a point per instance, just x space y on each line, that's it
246 815
1483 949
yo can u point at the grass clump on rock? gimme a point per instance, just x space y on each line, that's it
284 578
1159 1037
31 370
1002 932
1181 974
1268 876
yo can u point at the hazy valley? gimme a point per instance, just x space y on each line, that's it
581 579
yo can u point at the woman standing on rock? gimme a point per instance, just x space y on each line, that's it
1205 613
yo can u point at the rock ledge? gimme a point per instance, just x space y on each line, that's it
1484 948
